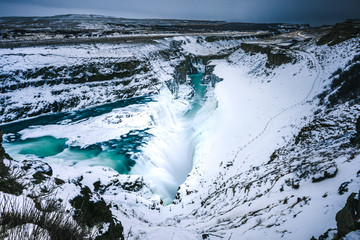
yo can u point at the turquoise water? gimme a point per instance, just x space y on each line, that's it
71 116
79 154
199 94
42 147
119 154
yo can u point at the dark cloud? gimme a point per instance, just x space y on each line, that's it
305 11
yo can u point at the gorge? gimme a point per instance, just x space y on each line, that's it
206 134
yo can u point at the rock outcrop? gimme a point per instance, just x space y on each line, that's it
8 176
341 32
276 57
347 219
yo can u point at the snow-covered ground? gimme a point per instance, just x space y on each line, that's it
234 190
250 177
39 80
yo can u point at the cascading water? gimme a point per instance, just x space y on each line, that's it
151 136
167 158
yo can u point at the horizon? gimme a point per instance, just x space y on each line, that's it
144 18
315 14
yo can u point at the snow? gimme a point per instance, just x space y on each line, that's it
355 235
256 114
200 47
19 64
36 57
172 233
331 170
233 188
26 61
167 157
241 107
91 131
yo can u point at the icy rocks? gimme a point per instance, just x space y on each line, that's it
356 139
347 221
275 57
341 32
343 188
8 180
42 170
90 210
132 184
328 173
348 218
3 154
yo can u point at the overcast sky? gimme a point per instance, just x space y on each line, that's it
315 12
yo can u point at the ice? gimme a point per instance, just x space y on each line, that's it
219 157
167 158
355 235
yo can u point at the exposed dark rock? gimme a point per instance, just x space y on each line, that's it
358 126
275 155
328 173
78 180
69 29
227 38
89 212
107 74
98 187
75 74
343 188
3 154
38 177
59 181
328 235
294 183
194 61
348 218
341 32
114 232
95 213
276 57
307 132
346 86
9 175
355 140
205 236
38 166
133 186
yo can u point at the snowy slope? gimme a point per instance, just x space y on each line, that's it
268 158
236 189
259 111
39 80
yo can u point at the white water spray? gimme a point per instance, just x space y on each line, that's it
164 159
167 158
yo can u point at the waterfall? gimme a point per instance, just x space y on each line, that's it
167 158
150 136
196 66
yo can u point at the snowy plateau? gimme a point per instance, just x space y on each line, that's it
169 134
